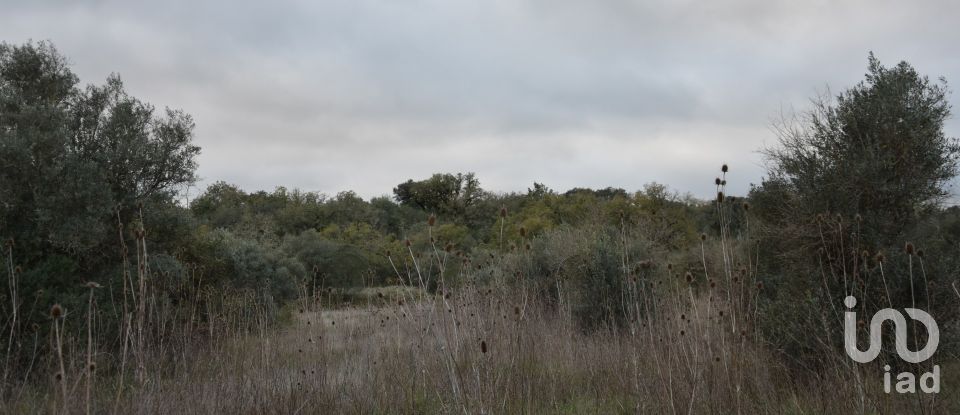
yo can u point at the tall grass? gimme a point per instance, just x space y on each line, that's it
587 320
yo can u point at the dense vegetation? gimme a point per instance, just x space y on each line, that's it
91 211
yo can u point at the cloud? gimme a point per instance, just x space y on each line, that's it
363 94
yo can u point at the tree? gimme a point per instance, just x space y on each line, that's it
878 151
443 194
71 157
139 153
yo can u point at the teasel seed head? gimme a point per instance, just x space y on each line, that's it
746 206
406 242
920 253
483 346
908 248
689 277
880 257
703 237
431 220
724 168
503 211
523 232
56 311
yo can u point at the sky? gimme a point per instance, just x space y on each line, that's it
361 95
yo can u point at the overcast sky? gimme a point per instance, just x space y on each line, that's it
357 94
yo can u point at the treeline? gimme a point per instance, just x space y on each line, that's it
344 240
91 173
91 178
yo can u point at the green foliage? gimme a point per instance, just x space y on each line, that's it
245 264
878 150
85 168
77 162
859 177
442 194
601 286
336 264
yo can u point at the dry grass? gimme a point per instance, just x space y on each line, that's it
423 358
487 343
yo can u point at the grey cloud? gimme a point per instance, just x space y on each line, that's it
363 94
